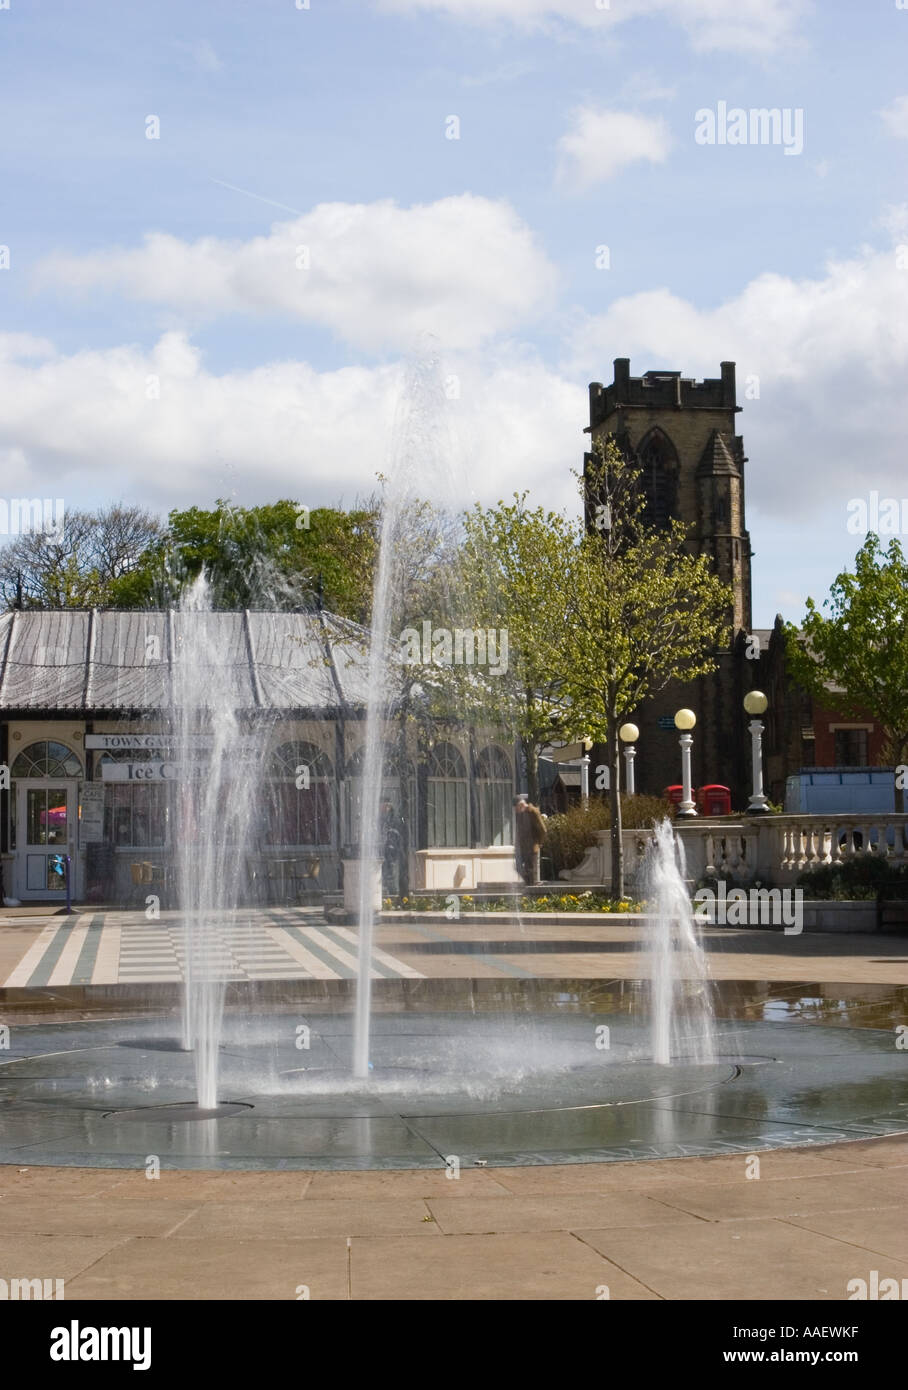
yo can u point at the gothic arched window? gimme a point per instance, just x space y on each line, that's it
448 801
658 462
495 785
299 796
390 788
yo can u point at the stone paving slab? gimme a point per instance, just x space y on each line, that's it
24 1255
217 1268
883 1232
423 1182
670 1229
310 1217
775 1166
553 1212
751 1199
543 1265
94 1216
753 1260
889 1152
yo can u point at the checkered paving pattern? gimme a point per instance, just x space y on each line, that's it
112 948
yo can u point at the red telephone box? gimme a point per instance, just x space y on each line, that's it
714 800
674 794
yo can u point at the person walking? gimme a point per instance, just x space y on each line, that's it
529 836
392 827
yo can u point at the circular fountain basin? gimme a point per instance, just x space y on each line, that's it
487 1089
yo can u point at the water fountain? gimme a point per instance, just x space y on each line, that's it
409 566
682 1022
212 817
507 1068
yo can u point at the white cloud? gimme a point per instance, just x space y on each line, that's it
741 26
831 356
894 221
600 143
380 276
201 53
896 117
156 426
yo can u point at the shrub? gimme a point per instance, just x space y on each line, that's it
571 834
858 878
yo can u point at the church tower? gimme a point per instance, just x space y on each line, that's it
681 434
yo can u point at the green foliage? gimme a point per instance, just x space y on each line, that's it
274 555
858 878
515 576
571 834
643 612
855 659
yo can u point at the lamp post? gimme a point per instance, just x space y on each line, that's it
755 703
628 734
586 744
685 720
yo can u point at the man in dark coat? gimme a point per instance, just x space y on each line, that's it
529 834
391 834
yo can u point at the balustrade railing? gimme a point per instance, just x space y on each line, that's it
779 848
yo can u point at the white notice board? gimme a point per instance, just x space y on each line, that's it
91 819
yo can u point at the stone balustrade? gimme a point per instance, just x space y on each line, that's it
773 850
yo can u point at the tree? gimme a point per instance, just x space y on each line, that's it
643 612
857 656
278 555
515 577
78 563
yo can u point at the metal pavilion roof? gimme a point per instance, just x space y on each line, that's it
113 661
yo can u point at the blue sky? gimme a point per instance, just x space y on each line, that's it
159 343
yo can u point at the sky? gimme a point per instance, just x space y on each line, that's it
227 228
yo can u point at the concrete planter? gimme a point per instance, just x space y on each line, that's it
839 916
354 872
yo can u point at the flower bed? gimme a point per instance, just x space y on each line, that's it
524 903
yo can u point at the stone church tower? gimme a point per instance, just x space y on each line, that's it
681 434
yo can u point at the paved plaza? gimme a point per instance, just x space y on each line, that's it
40 950
680 1229
800 1224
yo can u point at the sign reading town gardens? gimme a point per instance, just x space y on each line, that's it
166 769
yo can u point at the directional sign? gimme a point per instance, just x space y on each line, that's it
666 721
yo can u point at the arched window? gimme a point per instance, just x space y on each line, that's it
47 759
298 796
495 785
390 790
658 462
448 800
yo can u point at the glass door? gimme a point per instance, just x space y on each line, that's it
46 816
